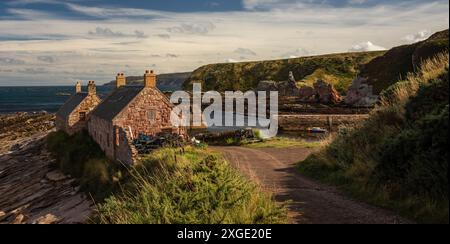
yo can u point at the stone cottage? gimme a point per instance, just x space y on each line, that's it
74 114
127 112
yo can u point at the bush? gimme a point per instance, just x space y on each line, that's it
398 158
82 158
197 187
416 160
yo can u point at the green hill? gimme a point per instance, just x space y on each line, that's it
381 68
385 70
339 69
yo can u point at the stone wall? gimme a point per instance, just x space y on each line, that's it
102 132
329 122
149 113
60 124
73 123
125 152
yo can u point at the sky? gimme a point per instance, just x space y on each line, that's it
55 42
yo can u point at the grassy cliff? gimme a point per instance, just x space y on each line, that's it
338 69
385 70
399 157
382 69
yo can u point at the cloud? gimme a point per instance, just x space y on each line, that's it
299 52
28 37
25 2
366 47
33 71
106 12
46 59
171 55
107 32
6 70
193 28
231 60
357 1
245 51
29 14
140 34
417 37
277 4
163 36
206 36
11 61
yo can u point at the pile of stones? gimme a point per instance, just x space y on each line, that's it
145 144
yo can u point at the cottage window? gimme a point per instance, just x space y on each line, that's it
82 116
152 115
107 140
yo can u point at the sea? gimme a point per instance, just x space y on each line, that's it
39 99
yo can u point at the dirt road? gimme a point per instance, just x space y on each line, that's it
310 202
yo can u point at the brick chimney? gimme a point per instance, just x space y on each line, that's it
150 79
92 90
78 87
120 80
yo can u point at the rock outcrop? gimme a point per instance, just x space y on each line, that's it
285 88
32 189
17 130
320 92
326 93
360 94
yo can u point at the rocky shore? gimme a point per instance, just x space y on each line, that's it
19 129
32 189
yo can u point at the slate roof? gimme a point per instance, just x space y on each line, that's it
71 105
116 102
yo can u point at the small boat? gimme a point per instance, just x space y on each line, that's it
317 130
63 94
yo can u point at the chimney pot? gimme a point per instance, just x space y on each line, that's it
149 79
92 90
78 87
120 80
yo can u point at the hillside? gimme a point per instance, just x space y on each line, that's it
401 161
166 82
385 70
339 69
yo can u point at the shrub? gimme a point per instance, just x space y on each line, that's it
197 187
398 158
82 158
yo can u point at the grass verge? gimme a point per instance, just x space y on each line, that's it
194 187
284 142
